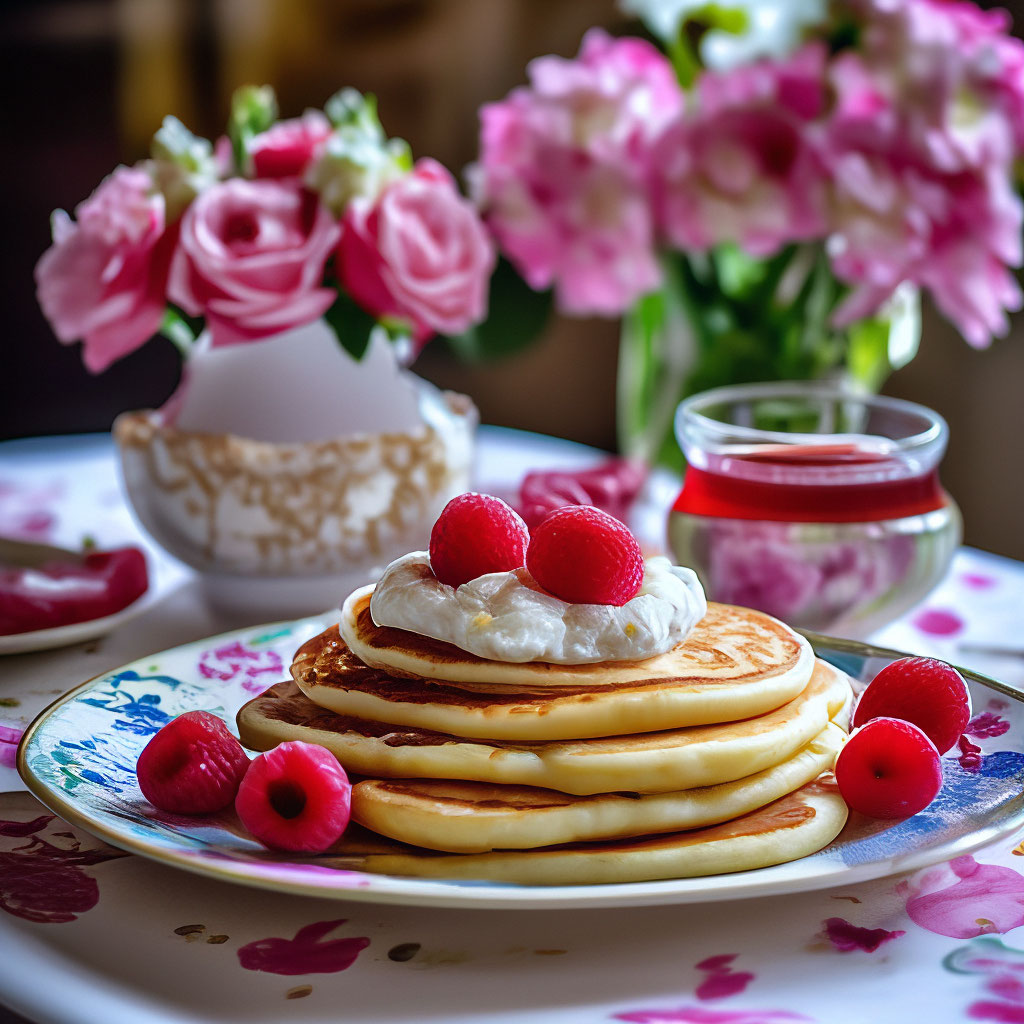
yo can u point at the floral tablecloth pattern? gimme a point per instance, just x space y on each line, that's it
91 933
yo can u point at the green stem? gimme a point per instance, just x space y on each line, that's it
724 318
656 353
177 331
684 59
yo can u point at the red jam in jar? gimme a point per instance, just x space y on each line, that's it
817 505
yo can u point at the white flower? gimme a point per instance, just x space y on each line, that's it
354 164
770 28
358 160
183 165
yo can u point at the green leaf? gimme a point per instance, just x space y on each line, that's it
351 324
738 273
516 315
845 33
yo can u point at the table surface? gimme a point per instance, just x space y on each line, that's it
150 945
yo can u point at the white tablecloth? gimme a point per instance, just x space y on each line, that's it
90 935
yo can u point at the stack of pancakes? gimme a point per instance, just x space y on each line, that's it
712 757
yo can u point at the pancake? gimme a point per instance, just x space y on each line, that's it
657 762
795 826
473 817
331 675
729 645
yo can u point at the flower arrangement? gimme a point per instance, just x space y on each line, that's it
766 198
279 223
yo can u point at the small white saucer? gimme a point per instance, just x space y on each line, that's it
77 632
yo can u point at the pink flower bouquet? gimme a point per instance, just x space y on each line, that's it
767 197
277 224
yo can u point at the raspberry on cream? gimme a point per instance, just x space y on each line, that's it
505 616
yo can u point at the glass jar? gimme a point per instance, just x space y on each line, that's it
813 503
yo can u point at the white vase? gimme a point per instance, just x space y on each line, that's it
288 474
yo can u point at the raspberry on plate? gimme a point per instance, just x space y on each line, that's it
585 556
476 534
295 797
888 769
193 765
925 691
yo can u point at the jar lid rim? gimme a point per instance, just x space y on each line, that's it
689 412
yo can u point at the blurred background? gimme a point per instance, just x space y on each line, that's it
87 82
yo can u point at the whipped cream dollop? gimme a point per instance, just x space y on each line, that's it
505 616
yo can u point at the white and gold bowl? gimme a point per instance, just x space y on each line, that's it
290 528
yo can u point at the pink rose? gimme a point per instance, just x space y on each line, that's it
563 172
743 166
251 258
418 253
285 149
102 281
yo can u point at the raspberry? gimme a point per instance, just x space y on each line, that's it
585 556
888 769
193 765
295 797
476 534
927 692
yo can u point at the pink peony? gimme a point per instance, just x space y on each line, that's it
102 281
563 170
967 270
743 167
288 147
251 259
899 213
954 72
612 100
418 253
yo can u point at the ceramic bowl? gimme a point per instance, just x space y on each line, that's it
285 529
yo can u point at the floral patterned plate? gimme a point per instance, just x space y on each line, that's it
79 755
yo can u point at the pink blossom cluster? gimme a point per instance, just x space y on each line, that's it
564 169
920 147
897 153
260 247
